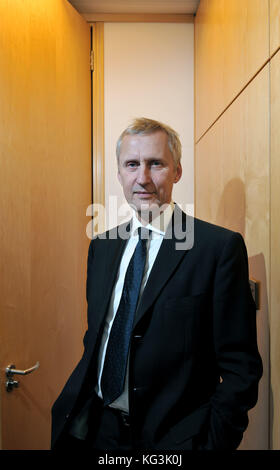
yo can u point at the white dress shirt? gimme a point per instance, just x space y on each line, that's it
158 229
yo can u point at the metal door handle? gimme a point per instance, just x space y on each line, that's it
11 370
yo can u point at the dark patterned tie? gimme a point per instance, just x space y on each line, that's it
114 370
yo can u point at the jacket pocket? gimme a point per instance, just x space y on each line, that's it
187 303
192 424
183 435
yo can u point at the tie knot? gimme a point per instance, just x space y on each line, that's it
143 233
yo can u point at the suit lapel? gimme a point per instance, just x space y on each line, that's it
113 251
176 243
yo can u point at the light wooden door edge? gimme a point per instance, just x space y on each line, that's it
98 157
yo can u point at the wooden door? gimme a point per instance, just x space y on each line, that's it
45 188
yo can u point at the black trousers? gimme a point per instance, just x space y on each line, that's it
109 429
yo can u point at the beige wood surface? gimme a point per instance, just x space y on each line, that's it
231 45
232 190
45 184
275 251
274 25
98 113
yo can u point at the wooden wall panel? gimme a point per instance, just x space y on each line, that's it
232 190
231 44
274 25
45 184
275 251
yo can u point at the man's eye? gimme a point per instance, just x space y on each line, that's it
131 164
156 163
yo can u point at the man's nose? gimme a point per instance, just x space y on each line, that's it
143 174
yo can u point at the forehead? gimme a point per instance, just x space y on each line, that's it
156 142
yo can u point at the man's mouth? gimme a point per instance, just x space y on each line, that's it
144 194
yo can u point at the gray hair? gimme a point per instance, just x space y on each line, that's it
145 126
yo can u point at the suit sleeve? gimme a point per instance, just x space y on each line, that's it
235 341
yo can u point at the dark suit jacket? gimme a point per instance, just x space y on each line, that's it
194 361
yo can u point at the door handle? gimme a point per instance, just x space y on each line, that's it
11 371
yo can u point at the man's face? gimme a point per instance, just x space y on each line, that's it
146 171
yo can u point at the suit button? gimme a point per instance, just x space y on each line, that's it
137 336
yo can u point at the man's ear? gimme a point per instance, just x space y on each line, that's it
178 173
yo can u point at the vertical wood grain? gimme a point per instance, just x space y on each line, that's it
274 25
45 184
275 251
98 114
231 45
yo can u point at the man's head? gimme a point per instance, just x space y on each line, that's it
149 154
145 126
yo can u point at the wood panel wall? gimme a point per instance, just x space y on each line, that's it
237 163
274 8
45 184
231 45
275 251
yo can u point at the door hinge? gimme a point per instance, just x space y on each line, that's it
92 60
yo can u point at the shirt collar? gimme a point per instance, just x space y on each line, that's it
159 225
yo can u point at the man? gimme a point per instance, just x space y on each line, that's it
171 358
